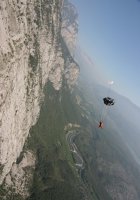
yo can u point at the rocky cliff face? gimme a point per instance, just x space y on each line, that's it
70 25
30 55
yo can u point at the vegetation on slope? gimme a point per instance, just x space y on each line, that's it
55 176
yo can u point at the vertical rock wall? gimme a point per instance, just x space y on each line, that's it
30 54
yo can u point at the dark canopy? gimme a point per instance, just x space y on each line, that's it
108 101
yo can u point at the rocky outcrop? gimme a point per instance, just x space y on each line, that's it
21 175
30 55
70 25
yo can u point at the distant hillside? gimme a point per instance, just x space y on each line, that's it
111 168
111 155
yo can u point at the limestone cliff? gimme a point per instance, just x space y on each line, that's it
70 25
30 55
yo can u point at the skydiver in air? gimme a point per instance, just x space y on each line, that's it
101 125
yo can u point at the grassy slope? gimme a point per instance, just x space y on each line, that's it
55 176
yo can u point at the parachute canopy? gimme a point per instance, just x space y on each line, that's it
108 101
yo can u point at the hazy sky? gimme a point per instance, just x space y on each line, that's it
109 31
